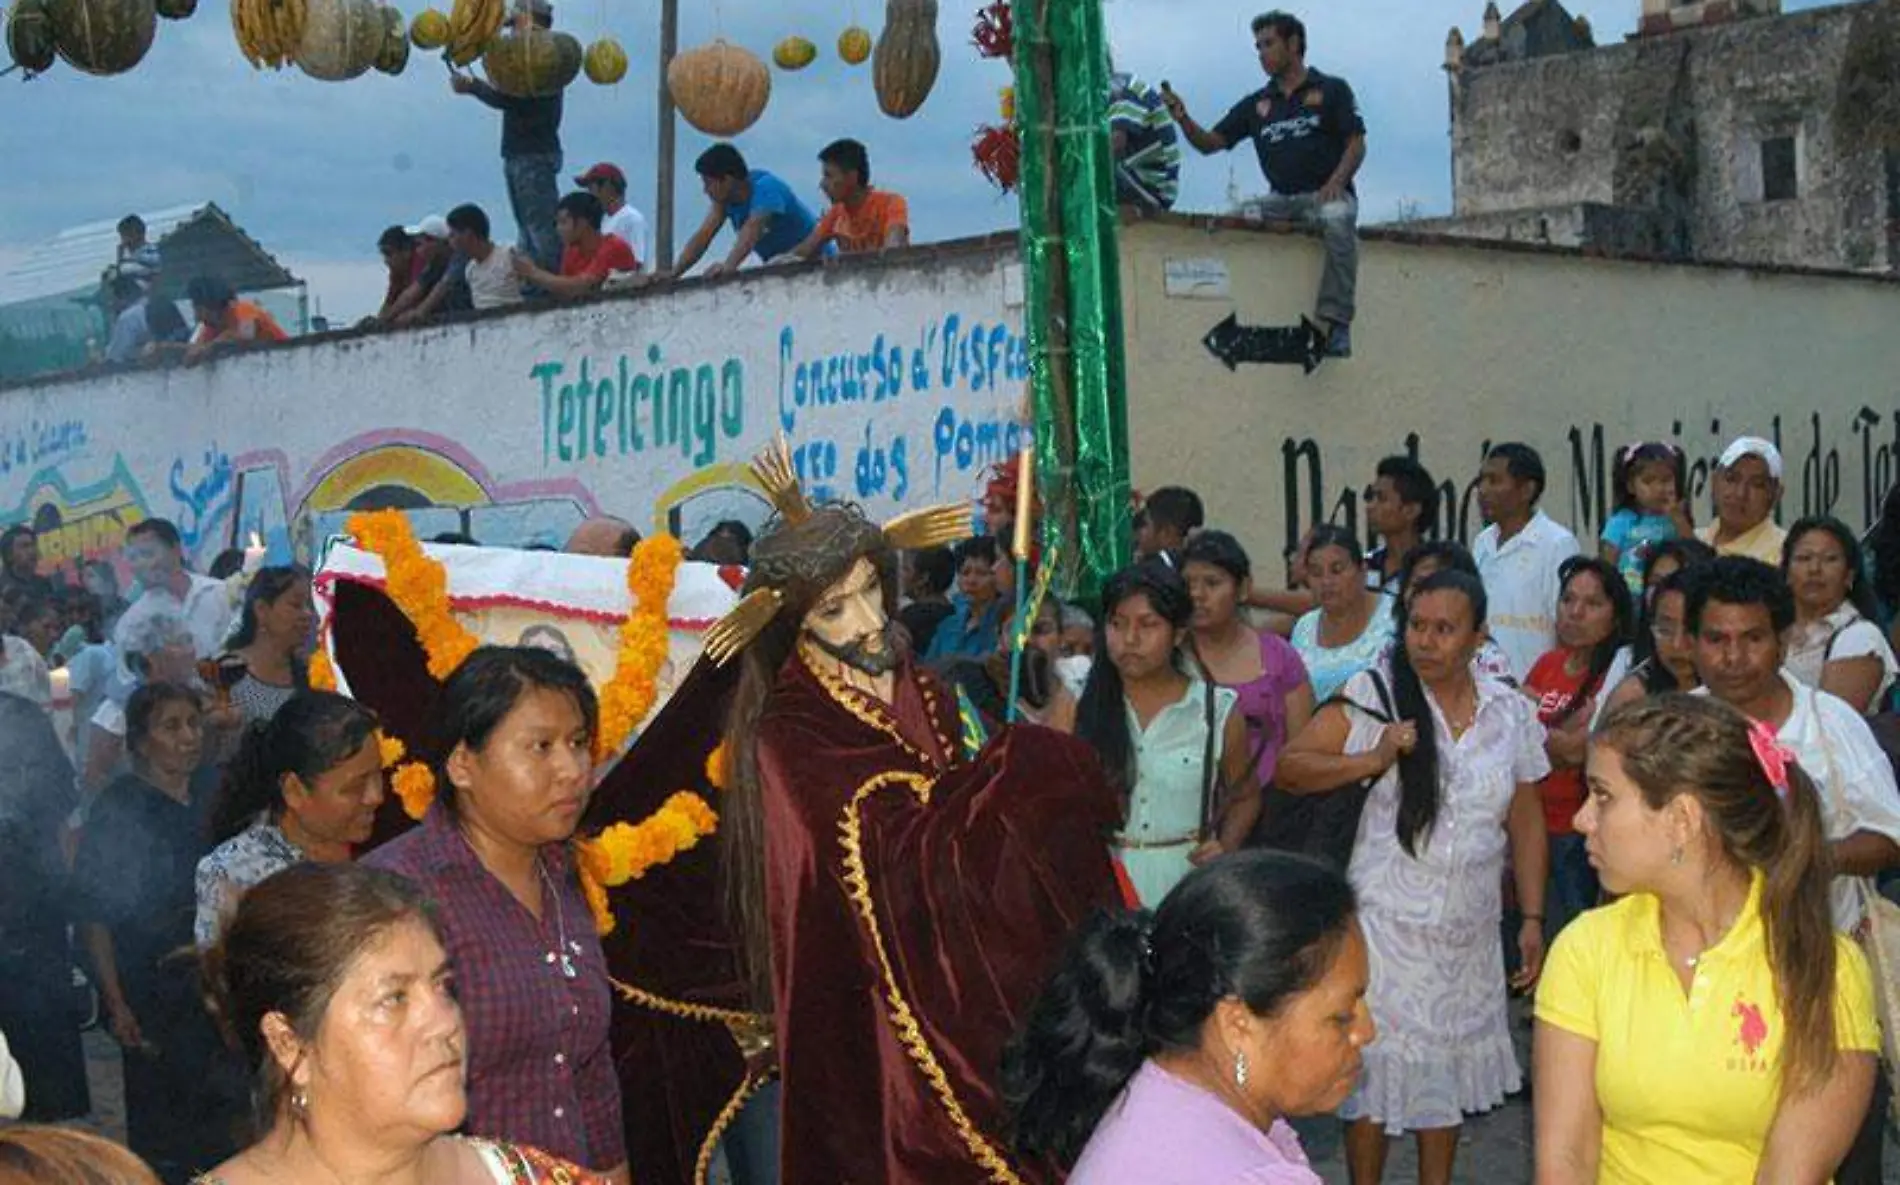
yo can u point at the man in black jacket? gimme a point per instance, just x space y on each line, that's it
530 152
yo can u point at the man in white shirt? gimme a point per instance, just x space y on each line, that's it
609 184
1737 614
1518 555
487 267
155 554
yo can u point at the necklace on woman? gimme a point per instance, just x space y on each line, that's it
564 950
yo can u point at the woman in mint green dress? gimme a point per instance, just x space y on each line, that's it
1172 743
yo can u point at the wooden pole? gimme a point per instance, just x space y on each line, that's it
663 201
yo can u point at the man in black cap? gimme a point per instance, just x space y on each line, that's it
530 151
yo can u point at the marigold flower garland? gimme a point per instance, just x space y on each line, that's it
321 674
628 851
629 695
418 585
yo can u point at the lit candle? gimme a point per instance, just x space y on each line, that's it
254 554
1025 500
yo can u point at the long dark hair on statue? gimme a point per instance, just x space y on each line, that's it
800 561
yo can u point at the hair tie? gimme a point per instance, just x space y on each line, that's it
1771 755
1145 930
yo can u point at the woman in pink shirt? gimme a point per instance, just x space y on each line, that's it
1169 1048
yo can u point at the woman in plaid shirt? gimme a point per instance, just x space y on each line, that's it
517 727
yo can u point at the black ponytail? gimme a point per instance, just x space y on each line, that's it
1101 715
313 733
1262 926
1418 770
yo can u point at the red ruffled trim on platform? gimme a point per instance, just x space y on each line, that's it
692 624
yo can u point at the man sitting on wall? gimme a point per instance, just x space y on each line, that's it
861 219
224 320
438 284
589 257
764 213
606 182
1306 128
1147 148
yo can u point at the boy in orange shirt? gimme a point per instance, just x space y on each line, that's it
223 319
861 219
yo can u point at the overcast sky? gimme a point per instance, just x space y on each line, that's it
315 170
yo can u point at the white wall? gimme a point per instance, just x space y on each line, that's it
898 386
1458 346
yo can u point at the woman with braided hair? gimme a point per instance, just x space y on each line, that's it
1170 1047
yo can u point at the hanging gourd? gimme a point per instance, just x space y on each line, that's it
908 57
176 10
103 36
430 30
854 45
605 62
341 39
529 62
720 89
394 56
794 53
30 37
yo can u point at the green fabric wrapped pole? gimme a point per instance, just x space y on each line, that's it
1072 289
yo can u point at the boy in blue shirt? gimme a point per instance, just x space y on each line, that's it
765 214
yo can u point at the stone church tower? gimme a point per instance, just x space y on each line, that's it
1722 129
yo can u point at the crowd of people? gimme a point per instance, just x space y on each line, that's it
1376 802
1304 125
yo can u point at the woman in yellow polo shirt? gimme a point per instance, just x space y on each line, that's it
1710 1025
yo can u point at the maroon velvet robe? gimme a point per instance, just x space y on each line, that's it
918 901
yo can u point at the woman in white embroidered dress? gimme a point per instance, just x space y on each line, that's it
1457 783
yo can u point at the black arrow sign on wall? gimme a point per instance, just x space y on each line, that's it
1303 345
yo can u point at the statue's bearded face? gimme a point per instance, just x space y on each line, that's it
848 622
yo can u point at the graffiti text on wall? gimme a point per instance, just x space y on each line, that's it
627 408
980 359
202 490
41 445
1811 484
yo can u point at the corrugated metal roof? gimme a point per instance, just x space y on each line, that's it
192 240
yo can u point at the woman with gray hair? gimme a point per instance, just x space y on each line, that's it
158 648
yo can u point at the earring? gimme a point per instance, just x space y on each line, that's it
300 1101
1240 1070
1675 857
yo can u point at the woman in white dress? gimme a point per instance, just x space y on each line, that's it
1457 775
1171 743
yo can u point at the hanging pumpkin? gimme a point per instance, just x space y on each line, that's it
341 39
394 56
103 36
794 53
430 30
908 57
605 62
530 62
720 89
854 45
176 10
30 37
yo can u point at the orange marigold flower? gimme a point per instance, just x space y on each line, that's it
414 783
391 748
717 769
321 676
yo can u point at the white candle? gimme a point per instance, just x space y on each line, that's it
254 554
